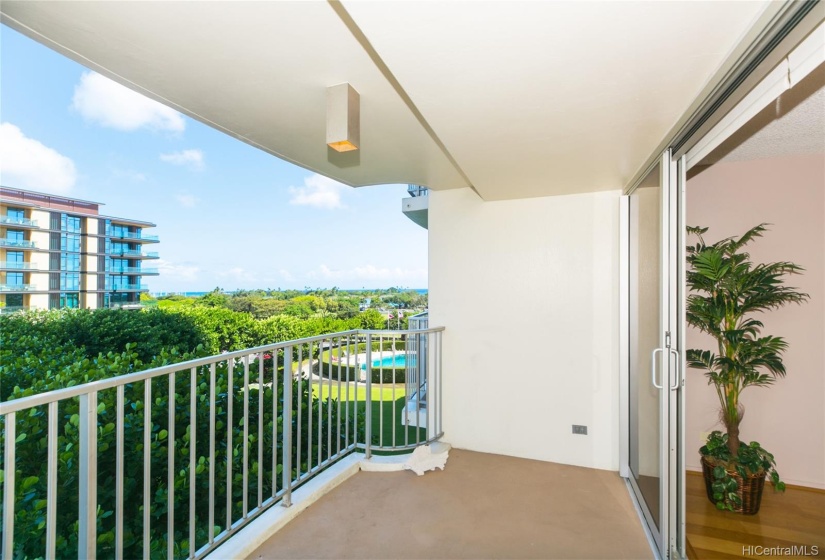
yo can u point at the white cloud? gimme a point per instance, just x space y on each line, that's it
371 273
239 274
192 158
100 100
174 271
25 162
186 200
318 191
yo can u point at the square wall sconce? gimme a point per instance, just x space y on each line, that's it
343 118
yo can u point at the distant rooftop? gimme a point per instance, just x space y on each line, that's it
57 202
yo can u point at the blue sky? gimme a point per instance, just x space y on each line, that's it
228 215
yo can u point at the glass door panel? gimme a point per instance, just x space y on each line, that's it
645 337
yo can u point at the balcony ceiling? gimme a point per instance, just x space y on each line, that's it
516 99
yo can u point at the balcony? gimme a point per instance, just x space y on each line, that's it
134 253
18 222
134 236
228 466
14 288
480 506
14 265
417 190
133 270
13 309
128 288
17 243
127 305
416 207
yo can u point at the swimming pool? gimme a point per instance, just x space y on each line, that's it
397 361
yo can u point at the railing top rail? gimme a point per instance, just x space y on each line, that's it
103 384
407 331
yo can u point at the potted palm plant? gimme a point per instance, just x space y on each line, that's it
727 291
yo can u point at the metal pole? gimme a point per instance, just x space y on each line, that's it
170 471
87 475
287 427
368 401
8 485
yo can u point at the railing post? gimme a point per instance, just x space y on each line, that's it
87 498
9 466
286 473
368 401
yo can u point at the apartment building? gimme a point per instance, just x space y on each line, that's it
60 252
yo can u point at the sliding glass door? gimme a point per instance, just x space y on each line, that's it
654 353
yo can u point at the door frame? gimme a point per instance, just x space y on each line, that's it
669 539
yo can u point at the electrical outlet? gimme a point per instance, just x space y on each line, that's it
580 430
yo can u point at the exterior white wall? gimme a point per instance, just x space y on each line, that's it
528 292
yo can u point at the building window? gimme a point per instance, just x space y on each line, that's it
71 301
69 262
14 258
120 265
69 281
120 248
70 242
16 213
118 283
14 278
71 224
15 235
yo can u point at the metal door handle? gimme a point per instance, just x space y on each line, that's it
653 367
678 369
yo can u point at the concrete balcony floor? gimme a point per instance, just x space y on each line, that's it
481 506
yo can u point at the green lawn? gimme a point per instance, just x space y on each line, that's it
383 414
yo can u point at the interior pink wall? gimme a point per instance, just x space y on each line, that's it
788 418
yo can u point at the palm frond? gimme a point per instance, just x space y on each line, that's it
726 289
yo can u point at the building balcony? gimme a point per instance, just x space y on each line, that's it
347 452
133 254
480 506
128 288
18 222
127 305
417 206
139 237
18 244
17 288
13 309
348 398
13 265
133 270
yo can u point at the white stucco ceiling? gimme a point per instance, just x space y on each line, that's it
794 124
516 99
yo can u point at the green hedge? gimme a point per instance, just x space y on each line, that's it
72 369
349 373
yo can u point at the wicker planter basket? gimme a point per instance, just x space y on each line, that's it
750 489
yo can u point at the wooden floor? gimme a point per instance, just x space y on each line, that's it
793 519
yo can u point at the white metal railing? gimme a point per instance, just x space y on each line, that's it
15 221
17 287
18 243
17 265
263 420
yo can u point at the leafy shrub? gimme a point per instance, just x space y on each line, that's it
102 331
31 463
